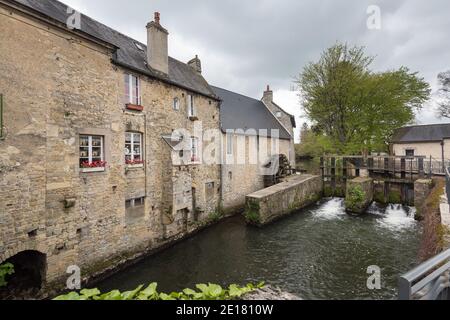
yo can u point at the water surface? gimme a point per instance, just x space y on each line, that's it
318 253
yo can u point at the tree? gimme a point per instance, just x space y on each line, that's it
354 108
444 94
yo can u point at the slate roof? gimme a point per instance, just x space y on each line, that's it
240 112
424 133
127 55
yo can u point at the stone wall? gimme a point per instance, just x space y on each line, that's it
57 86
242 174
272 203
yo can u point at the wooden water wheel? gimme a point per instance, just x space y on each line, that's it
277 168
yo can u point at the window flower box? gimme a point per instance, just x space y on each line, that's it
134 164
195 160
96 166
134 107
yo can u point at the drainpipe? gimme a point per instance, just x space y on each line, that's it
1 116
443 160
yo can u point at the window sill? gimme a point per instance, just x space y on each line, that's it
195 163
134 107
90 170
134 166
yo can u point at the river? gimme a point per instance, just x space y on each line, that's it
317 253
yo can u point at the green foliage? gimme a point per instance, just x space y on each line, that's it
203 292
251 213
6 269
355 197
352 108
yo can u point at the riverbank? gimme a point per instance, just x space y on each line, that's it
317 253
435 234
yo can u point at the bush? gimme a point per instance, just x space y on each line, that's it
6 269
203 292
355 197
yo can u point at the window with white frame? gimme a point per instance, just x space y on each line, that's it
132 89
133 148
194 150
176 104
191 106
230 143
92 152
279 114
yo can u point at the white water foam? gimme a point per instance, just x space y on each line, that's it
332 209
397 217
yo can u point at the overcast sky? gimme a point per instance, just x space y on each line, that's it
245 45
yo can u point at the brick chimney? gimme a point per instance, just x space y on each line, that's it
196 64
268 95
157 46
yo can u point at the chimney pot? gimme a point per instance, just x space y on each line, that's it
157 17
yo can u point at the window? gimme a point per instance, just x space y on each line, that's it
194 150
133 148
91 152
176 104
410 152
191 106
133 203
132 89
230 175
229 144
279 114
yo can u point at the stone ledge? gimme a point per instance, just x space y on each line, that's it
269 293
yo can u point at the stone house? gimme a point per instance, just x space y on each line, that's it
253 130
102 141
424 140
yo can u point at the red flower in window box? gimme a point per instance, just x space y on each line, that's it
134 162
95 164
134 107
195 159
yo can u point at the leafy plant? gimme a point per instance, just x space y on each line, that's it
355 197
204 292
6 269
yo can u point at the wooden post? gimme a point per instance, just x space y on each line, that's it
386 165
403 168
358 167
421 168
333 175
370 165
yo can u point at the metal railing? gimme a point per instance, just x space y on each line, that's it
447 183
429 281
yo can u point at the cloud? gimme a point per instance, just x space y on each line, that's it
245 45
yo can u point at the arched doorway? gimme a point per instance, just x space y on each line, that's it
30 269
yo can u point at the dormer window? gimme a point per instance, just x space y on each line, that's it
132 90
279 114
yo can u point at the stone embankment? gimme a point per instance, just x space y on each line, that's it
269 204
